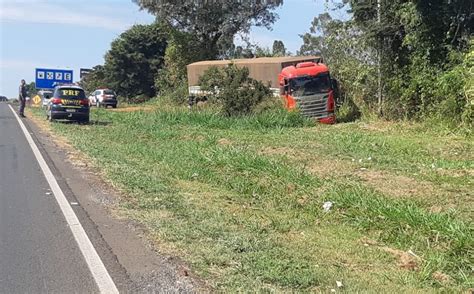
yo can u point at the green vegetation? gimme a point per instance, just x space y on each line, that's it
131 64
240 198
31 89
212 24
234 89
400 60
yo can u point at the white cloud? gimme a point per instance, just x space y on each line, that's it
44 13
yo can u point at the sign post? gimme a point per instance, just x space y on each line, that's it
47 78
36 100
84 72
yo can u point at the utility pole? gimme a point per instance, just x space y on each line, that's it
379 65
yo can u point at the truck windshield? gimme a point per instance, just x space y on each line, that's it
310 85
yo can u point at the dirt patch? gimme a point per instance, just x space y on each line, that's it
326 168
379 126
147 108
396 185
441 277
405 259
368 242
224 142
456 173
193 137
287 151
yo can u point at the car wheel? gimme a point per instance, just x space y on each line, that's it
84 121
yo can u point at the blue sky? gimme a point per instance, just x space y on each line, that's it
76 34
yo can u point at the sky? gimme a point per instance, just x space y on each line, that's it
74 34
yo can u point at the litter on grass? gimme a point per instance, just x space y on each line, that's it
327 206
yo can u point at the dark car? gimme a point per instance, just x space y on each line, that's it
68 102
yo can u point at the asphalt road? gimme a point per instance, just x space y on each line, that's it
38 253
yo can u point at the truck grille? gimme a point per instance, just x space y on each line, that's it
314 105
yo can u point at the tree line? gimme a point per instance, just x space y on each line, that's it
396 59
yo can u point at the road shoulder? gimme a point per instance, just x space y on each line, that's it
130 259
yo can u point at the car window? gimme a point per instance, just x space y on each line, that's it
70 93
109 92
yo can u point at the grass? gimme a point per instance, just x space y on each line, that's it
240 199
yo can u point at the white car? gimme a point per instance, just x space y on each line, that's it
45 95
103 97
92 99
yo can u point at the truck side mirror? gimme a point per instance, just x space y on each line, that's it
285 89
282 90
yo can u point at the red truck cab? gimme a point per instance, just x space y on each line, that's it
308 87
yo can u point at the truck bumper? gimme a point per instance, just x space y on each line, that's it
328 120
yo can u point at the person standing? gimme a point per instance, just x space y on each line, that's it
22 97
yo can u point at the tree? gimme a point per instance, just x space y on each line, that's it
278 48
412 38
416 48
262 52
94 80
351 60
182 49
213 23
31 89
134 59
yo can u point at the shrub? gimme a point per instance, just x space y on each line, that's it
139 99
234 89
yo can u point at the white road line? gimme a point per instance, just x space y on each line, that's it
96 266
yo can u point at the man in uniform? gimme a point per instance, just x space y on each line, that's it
22 97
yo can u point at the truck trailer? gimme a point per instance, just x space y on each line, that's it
303 82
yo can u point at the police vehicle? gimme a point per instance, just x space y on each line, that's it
68 102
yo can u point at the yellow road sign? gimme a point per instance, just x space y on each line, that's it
37 99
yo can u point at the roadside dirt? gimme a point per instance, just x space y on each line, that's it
133 108
132 260
404 259
396 185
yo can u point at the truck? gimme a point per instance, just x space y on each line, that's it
303 82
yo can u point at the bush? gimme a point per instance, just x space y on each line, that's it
234 89
139 99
